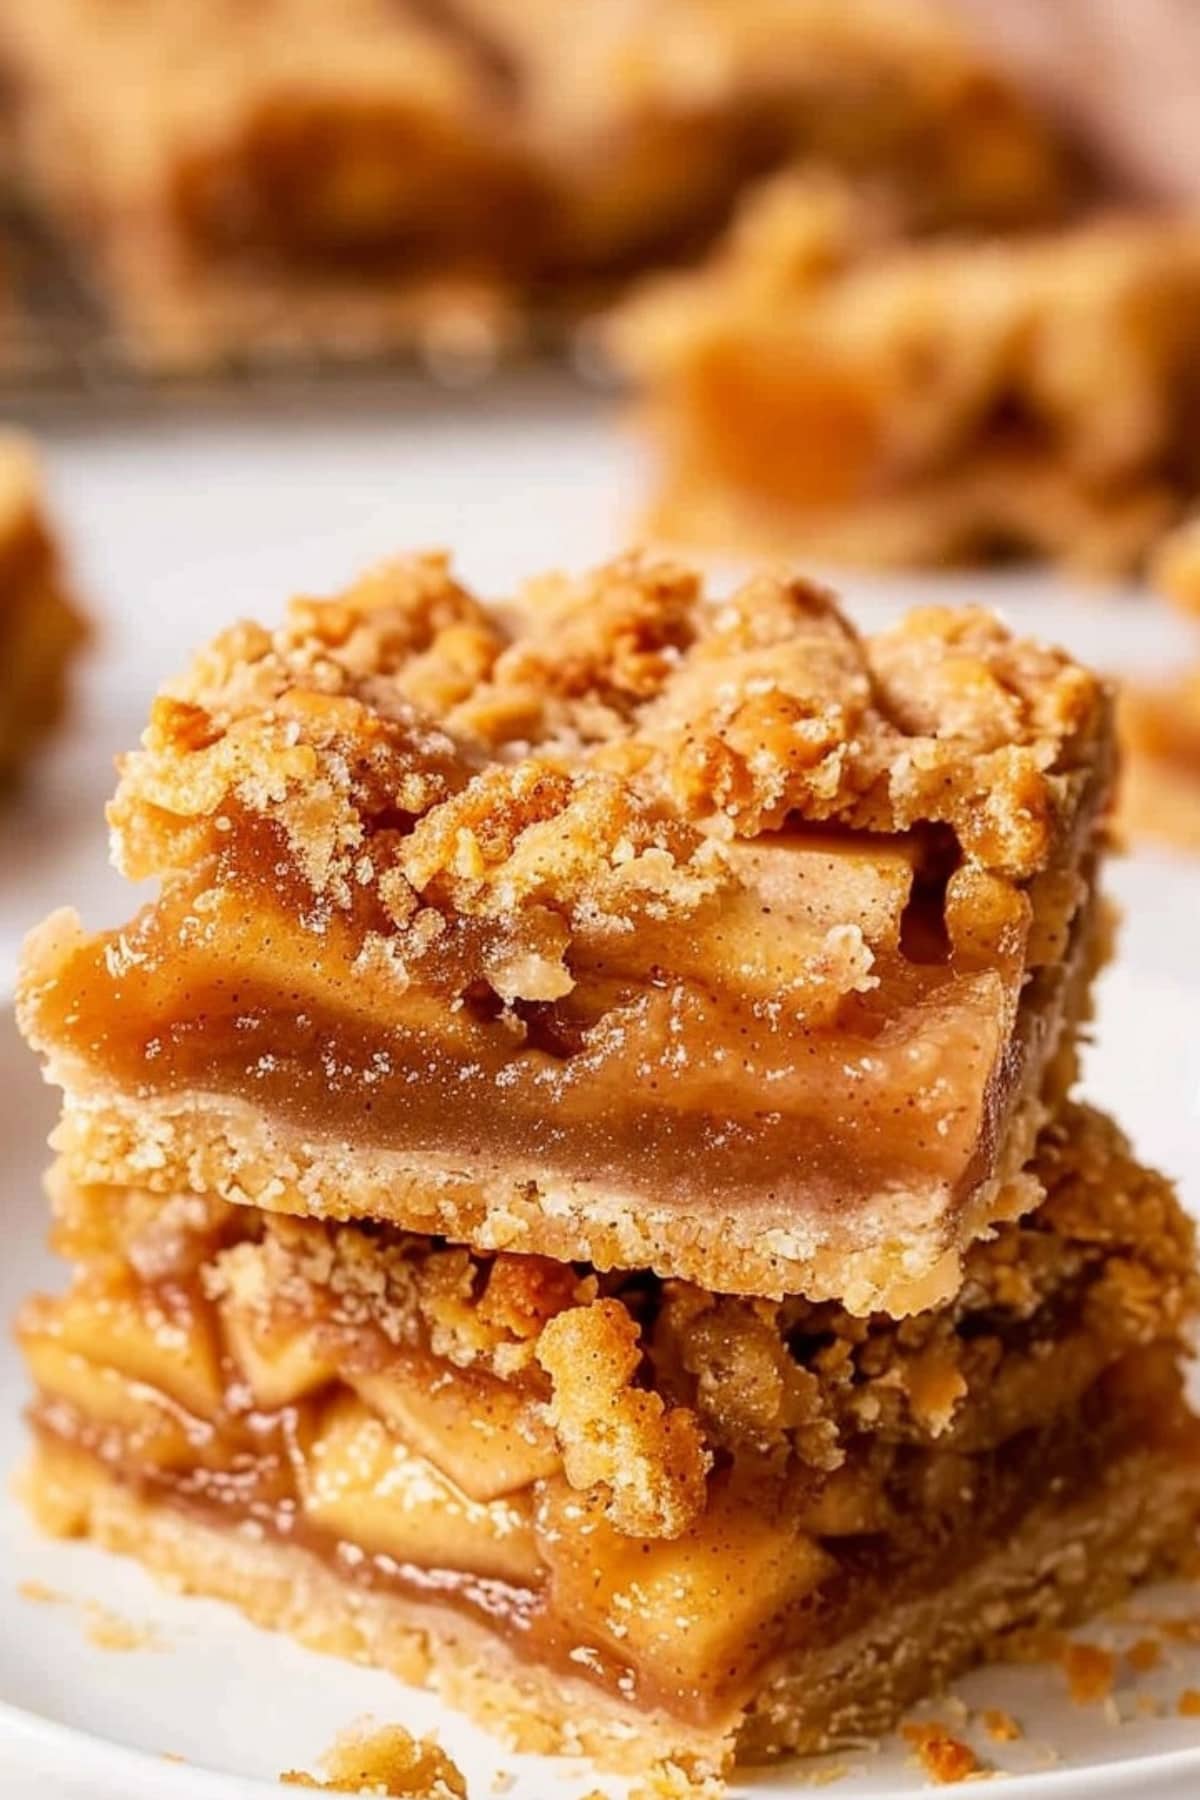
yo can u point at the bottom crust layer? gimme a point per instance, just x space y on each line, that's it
1068 1560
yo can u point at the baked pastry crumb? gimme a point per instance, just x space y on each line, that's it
1000 1726
1144 1655
385 1760
1090 1671
944 1758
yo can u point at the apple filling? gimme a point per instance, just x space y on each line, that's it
662 1488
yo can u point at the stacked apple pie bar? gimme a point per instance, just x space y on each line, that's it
571 1183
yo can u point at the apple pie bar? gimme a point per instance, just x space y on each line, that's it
824 384
623 923
613 1513
41 627
256 176
296 174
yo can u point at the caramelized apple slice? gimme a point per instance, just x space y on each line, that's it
481 1434
162 1336
361 1485
150 1429
279 1366
827 881
694 1613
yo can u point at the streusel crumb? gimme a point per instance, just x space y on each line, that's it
650 1458
944 1758
643 704
388 1761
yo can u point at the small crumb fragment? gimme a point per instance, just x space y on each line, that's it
1000 1726
1145 1655
41 1595
108 1631
944 1758
387 1761
502 1781
669 1781
1090 1673
1188 1704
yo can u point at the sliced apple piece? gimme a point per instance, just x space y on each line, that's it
693 1613
279 1367
362 1485
483 1435
823 881
151 1429
162 1336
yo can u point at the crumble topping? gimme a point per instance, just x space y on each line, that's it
650 1458
548 783
474 1312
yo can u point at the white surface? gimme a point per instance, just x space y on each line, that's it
178 525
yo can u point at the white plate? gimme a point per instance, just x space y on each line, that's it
179 530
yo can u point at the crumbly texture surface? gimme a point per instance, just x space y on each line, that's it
356 177
41 624
618 825
824 386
